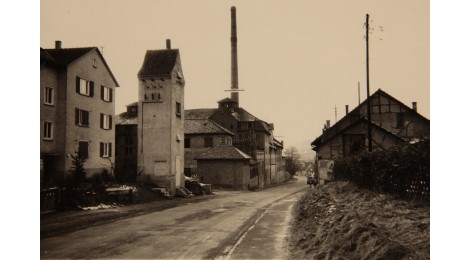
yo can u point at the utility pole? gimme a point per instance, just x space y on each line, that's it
358 93
336 114
369 127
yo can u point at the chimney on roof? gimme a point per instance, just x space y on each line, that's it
168 44
415 106
347 109
327 123
58 45
233 40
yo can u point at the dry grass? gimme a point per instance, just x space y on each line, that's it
340 221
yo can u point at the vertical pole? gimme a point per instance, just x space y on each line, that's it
358 93
369 128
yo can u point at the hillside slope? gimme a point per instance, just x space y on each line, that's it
340 221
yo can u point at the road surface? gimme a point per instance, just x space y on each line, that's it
215 228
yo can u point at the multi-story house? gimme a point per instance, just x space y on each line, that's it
392 122
77 108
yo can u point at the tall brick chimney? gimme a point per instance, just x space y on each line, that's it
58 45
415 106
347 109
233 40
168 44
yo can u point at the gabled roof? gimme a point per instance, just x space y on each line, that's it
159 62
203 113
242 115
125 119
319 140
383 93
202 126
355 115
66 56
223 152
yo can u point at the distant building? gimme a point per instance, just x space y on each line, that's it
126 144
201 135
160 130
392 123
253 136
77 105
227 166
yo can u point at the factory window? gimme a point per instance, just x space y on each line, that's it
208 142
187 142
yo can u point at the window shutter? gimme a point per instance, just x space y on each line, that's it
77 87
101 120
110 122
102 92
101 149
92 87
77 112
110 149
85 117
110 95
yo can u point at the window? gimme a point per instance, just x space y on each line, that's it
83 149
222 140
94 63
187 142
400 120
81 117
84 87
178 109
208 142
47 131
105 121
106 150
49 96
106 94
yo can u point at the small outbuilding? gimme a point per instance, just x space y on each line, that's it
227 166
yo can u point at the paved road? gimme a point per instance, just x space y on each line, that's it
266 238
207 229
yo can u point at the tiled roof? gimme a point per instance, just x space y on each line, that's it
227 100
321 139
158 62
200 126
242 115
223 152
203 113
124 119
65 56
68 55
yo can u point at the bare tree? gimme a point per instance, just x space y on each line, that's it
292 160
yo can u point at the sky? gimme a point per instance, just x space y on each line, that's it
297 60
319 54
